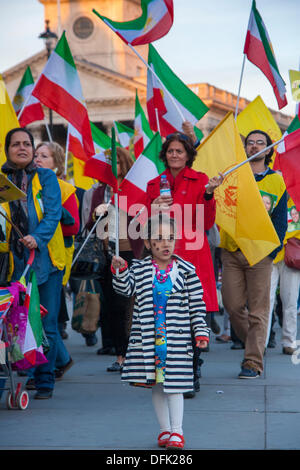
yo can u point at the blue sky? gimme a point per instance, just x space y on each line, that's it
205 43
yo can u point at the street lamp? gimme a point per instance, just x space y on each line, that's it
49 39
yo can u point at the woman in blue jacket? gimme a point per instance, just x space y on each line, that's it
37 216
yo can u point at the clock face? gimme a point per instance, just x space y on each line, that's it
83 27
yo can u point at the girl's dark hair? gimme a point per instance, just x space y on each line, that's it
153 223
186 142
268 157
12 132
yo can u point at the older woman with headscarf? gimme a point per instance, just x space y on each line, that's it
37 216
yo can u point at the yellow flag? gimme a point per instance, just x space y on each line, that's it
240 210
80 180
295 84
8 118
256 115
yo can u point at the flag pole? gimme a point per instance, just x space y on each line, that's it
157 120
48 131
117 227
250 158
157 77
147 65
240 84
67 150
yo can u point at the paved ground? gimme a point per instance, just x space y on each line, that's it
93 409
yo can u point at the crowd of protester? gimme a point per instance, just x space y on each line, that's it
247 298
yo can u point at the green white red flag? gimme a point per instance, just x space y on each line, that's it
101 142
125 134
103 165
288 155
160 104
295 124
33 110
142 131
258 49
154 23
59 88
144 169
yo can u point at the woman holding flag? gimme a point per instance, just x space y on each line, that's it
37 216
188 189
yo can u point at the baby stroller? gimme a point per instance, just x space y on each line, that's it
21 335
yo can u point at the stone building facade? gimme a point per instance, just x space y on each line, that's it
109 71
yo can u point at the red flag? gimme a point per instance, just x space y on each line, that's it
288 153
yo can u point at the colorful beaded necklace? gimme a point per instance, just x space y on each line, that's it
159 276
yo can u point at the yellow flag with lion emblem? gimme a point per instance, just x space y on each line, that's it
241 213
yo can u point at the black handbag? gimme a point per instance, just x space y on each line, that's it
91 262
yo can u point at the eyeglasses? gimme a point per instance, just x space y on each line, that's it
258 142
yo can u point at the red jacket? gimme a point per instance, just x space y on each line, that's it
188 189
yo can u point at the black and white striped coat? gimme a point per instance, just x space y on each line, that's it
185 310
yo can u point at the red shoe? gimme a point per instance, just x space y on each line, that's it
175 444
163 442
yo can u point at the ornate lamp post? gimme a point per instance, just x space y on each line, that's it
49 39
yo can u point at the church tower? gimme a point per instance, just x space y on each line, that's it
90 39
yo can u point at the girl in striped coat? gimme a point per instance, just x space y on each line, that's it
168 303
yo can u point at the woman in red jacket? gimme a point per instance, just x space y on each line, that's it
188 191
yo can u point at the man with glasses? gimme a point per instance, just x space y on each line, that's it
245 288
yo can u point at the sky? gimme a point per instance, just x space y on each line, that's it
204 45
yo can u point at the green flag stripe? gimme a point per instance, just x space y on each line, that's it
138 23
114 153
34 315
145 124
175 86
26 80
63 50
152 152
264 38
295 124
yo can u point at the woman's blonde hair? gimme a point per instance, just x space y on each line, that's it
58 155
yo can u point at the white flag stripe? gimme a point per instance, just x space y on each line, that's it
141 172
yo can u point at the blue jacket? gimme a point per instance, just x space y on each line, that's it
44 230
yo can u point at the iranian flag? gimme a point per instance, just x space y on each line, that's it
258 49
27 319
103 165
33 110
288 154
142 131
78 157
295 124
146 167
59 88
154 23
124 133
168 99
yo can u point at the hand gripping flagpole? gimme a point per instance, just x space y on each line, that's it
250 158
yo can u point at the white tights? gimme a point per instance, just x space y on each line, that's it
169 409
